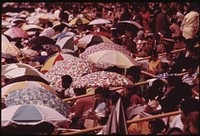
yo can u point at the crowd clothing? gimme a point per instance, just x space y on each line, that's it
190 25
189 78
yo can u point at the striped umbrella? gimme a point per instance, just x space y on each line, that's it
20 69
103 46
67 44
30 114
91 39
79 21
51 60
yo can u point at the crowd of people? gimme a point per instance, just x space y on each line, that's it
175 21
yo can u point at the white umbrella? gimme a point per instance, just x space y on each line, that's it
99 21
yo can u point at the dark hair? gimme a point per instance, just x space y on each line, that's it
154 52
158 125
103 91
190 63
174 80
174 129
135 72
193 6
79 91
189 105
66 81
185 90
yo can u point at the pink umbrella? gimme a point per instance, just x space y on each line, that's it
16 32
103 46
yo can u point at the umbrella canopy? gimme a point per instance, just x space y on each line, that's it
102 79
51 60
103 46
20 69
39 96
110 58
41 40
90 39
116 123
106 34
67 44
10 49
74 67
124 26
32 115
4 40
16 21
32 28
25 84
79 21
45 17
62 35
16 32
99 21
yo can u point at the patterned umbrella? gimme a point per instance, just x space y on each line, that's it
91 39
51 60
25 84
102 79
38 96
99 21
103 46
75 67
79 21
67 44
16 32
10 49
30 114
124 26
20 69
110 58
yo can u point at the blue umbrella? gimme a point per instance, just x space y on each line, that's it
38 96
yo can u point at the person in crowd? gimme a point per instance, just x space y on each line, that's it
190 24
145 17
175 131
66 92
80 108
153 64
174 28
126 15
156 126
190 116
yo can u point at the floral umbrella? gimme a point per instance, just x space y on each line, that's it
91 39
30 114
102 79
25 84
39 96
75 67
103 46
16 32
51 60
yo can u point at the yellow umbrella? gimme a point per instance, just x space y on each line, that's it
25 84
10 49
32 27
110 58
79 21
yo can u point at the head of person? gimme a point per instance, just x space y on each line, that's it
66 81
169 56
150 40
175 131
133 73
156 126
190 65
102 94
154 55
190 116
79 91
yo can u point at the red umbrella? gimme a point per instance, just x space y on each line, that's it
16 32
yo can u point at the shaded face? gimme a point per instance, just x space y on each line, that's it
154 57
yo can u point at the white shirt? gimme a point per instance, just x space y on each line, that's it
176 122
